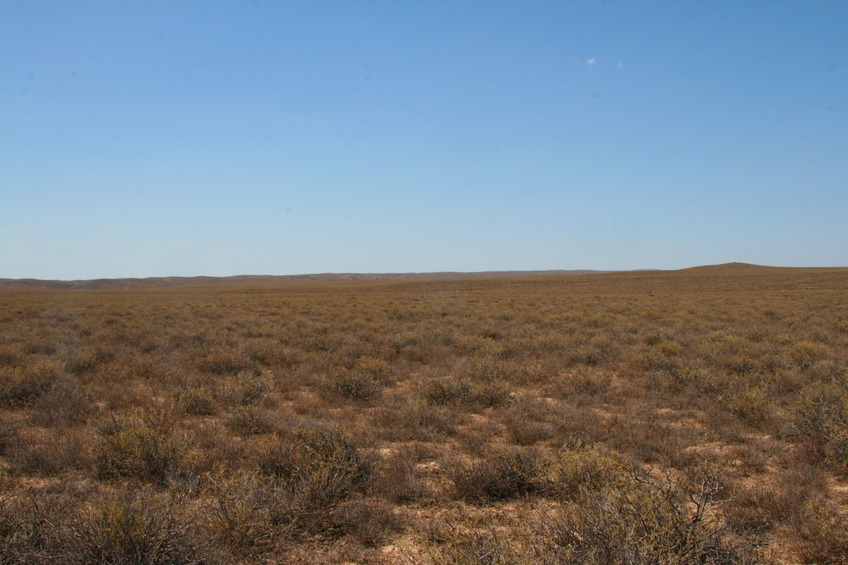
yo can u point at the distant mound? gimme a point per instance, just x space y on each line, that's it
728 268
750 269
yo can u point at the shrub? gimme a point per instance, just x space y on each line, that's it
366 521
33 528
762 507
502 474
822 532
522 421
750 405
196 400
85 360
10 434
23 386
249 387
226 363
577 472
821 420
483 369
11 356
327 467
66 404
137 526
489 394
367 378
249 421
472 545
642 523
247 511
60 453
586 355
296 490
139 447
590 382
443 390
397 479
417 420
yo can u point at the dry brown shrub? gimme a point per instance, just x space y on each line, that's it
141 445
500 474
821 531
397 479
367 521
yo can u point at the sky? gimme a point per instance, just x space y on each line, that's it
209 137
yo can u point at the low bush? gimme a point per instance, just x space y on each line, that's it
68 403
369 522
225 363
443 390
575 473
138 526
470 544
299 484
397 479
22 386
362 382
249 421
247 512
821 419
821 529
643 522
139 447
249 387
196 400
502 474
590 382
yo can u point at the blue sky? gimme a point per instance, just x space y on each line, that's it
218 137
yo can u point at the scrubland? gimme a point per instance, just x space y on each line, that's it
696 416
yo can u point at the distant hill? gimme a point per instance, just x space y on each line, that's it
744 268
161 282
725 269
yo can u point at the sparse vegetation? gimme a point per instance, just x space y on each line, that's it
685 417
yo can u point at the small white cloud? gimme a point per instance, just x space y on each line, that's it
591 61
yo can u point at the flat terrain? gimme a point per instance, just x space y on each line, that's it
695 416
